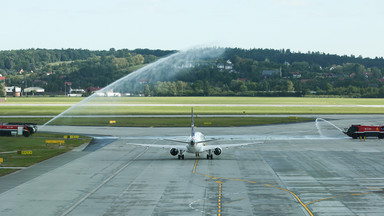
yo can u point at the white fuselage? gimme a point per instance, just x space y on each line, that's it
195 143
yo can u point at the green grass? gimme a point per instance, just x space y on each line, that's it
175 110
95 107
179 121
206 100
43 100
32 110
162 121
36 143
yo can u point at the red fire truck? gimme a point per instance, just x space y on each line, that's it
356 131
14 129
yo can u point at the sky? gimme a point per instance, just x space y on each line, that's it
343 27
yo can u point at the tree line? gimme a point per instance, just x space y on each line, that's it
237 72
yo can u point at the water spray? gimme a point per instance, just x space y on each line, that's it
330 123
164 69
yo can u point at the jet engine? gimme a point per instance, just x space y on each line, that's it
174 151
217 151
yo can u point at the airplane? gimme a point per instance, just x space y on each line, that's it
195 144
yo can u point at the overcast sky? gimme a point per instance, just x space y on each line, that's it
341 27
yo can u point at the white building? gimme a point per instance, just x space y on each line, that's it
34 90
13 91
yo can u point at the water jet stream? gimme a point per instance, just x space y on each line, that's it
164 69
330 123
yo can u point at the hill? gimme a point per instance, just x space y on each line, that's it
253 72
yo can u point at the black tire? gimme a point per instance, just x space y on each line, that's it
26 133
182 156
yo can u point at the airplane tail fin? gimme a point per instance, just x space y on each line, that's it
192 124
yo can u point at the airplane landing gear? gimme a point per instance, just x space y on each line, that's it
180 156
209 155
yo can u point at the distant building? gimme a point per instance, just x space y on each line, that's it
220 66
34 90
242 79
76 92
296 75
228 65
13 91
145 81
271 73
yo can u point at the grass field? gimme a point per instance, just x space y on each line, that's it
204 100
176 110
36 144
163 121
33 106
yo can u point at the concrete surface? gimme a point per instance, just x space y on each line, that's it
294 172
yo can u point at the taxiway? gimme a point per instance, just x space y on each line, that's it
294 172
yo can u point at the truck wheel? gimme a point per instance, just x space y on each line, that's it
26 133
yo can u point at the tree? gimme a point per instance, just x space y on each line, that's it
290 86
147 91
2 89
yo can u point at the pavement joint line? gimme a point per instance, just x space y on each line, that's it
293 194
252 182
102 184
217 180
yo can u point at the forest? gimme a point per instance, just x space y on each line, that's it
238 72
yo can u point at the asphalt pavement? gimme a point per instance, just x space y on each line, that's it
299 169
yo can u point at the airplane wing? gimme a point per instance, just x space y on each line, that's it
186 142
173 140
212 147
180 147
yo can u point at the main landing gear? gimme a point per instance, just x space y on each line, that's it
209 155
180 156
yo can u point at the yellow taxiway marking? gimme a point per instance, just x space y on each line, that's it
220 182
324 199
334 197
297 198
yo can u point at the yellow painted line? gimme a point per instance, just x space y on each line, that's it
323 199
194 168
359 194
293 194
334 197
268 185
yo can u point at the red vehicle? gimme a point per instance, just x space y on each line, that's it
356 131
13 129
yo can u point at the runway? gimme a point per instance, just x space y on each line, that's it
295 171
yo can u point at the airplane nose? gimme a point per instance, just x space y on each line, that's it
192 142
